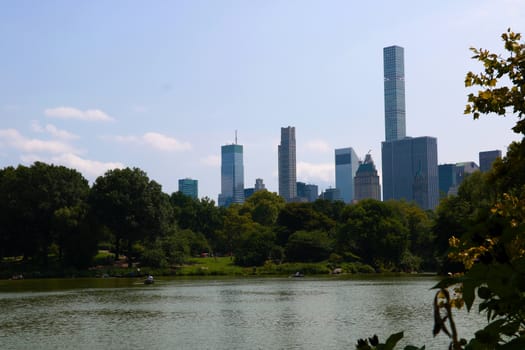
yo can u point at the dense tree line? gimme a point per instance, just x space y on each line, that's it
51 211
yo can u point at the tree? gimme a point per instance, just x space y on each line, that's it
33 201
131 206
264 207
308 246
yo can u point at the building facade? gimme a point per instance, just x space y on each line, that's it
394 93
366 181
346 164
189 187
487 158
287 164
331 194
452 175
307 192
410 171
232 175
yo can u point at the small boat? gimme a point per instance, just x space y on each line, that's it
298 274
149 280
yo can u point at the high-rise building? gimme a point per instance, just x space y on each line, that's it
366 181
346 164
447 178
331 194
307 192
452 175
287 165
409 165
487 158
394 90
232 175
410 170
189 187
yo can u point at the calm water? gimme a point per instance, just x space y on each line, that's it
280 313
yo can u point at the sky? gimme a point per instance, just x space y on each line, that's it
161 85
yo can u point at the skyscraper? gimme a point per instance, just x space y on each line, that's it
366 181
394 90
189 187
487 158
410 170
287 164
409 165
346 164
232 175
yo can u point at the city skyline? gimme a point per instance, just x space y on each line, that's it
95 86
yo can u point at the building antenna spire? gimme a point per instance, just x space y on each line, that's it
235 136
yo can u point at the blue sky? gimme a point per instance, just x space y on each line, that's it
161 85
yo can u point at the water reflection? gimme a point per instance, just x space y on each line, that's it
217 314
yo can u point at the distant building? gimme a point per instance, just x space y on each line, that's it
346 164
307 192
486 159
259 185
452 175
248 192
394 93
287 164
366 181
447 179
189 187
232 175
410 171
331 194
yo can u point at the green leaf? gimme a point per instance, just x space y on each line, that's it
392 341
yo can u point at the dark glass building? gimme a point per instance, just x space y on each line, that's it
410 171
487 158
232 175
287 164
394 91
189 187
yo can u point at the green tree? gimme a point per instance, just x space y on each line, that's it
255 247
309 246
264 207
132 206
33 201
374 233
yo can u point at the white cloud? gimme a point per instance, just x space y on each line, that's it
156 140
311 172
77 114
89 168
165 143
13 139
211 160
53 131
318 146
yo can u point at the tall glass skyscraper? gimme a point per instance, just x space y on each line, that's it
189 187
346 164
287 164
394 90
232 175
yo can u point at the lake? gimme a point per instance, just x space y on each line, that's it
223 313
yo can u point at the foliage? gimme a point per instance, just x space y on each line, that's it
308 246
255 248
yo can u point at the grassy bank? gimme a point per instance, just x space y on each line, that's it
206 266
